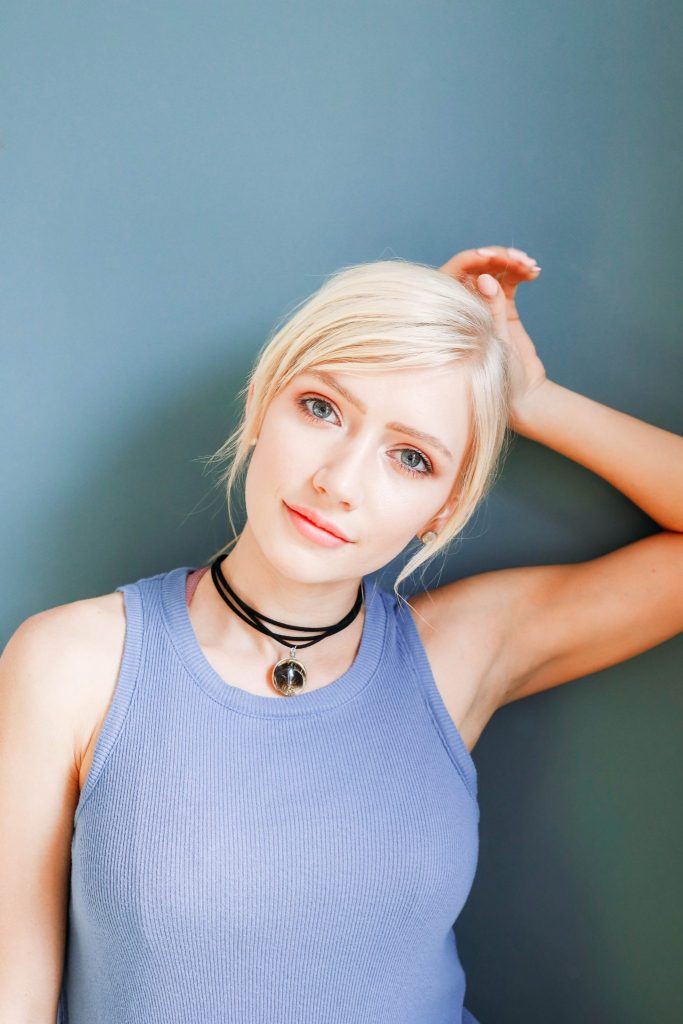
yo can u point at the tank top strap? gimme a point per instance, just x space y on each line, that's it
416 656
140 603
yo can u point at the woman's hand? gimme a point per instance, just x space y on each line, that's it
495 272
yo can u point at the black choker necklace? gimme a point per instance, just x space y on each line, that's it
289 674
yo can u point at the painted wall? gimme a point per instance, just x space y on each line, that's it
176 176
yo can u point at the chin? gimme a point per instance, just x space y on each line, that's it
291 560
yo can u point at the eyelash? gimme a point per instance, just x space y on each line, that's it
301 402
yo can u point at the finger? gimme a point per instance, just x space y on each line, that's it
493 259
490 289
507 253
509 278
507 266
509 275
517 266
498 255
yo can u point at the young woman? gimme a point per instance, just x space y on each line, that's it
244 792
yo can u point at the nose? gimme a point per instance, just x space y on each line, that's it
341 478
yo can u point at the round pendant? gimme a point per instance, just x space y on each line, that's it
289 676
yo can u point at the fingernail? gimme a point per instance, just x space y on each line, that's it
487 284
524 257
486 252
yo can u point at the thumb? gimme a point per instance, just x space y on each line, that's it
495 297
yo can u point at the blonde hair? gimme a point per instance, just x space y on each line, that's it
388 314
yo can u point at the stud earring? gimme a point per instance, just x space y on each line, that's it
428 537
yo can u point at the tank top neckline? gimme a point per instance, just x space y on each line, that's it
332 695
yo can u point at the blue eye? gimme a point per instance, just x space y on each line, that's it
318 403
411 469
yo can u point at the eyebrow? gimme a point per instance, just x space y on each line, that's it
421 435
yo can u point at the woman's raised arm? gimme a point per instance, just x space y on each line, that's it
554 623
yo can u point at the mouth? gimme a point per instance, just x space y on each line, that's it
315 530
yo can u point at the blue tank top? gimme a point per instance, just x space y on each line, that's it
244 859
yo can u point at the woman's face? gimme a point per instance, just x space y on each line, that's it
353 459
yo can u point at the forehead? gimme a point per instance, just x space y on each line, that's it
412 385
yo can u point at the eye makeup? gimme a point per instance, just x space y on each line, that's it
303 405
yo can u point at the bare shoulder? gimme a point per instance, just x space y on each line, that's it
55 671
72 653
462 626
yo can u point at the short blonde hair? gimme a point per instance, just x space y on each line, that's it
388 314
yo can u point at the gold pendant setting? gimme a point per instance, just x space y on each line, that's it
289 675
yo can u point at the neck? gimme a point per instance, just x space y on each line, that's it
269 590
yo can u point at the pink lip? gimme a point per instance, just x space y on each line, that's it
314 528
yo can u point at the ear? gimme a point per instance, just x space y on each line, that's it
438 520
250 397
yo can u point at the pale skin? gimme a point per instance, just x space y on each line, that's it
513 632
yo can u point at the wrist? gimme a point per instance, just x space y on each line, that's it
526 414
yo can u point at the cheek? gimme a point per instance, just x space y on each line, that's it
290 448
277 462
398 519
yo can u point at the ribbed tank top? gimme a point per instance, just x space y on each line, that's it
243 859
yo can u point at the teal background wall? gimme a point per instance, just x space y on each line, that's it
176 176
